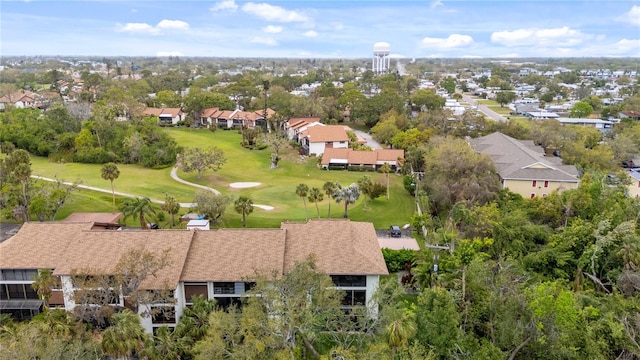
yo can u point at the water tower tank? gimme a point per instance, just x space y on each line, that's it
381 49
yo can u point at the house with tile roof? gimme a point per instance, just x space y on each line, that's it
229 119
523 167
294 126
167 116
316 139
218 264
20 99
373 159
630 114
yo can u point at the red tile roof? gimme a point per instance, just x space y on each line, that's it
326 133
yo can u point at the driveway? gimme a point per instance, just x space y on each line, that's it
370 141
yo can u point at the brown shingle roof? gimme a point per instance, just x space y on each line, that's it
210 112
93 217
234 254
339 246
39 245
100 251
362 157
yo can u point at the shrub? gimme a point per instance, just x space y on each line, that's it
397 259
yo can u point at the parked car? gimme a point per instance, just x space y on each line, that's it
394 231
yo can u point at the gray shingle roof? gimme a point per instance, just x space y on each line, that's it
522 159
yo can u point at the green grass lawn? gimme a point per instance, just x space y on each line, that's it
277 187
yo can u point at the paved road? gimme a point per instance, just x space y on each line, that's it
484 109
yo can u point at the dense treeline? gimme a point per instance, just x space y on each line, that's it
61 137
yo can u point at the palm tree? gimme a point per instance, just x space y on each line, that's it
316 195
140 208
386 169
399 332
244 206
172 206
125 337
329 188
302 190
348 194
111 172
365 184
43 283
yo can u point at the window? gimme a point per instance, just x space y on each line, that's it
17 292
533 195
546 183
226 302
224 288
164 315
18 274
354 297
533 183
191 290
349 280
249 285
544 195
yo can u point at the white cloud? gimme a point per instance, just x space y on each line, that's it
225 5
173 25
631 17
145 28
264 41
310 33
630 47
436 3
274 13
138 28
559 37
272 29
168 53
452 42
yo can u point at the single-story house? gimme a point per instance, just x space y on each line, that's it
218 264
541 115
167 116
523 167
372 159
316 139
630 114
599 124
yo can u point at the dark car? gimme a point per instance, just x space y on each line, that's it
394 231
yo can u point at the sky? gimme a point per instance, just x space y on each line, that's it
322 29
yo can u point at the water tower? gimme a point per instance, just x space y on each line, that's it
381 60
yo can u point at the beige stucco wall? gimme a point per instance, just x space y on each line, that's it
525 188
634 188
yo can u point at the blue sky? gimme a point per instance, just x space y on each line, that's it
328 29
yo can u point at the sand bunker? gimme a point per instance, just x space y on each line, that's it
242 185
263 207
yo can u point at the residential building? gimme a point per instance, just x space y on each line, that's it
523 167
630 114
167 116
294 126
634 186
229 119
373 159
602 125
20 99
316 139
218 264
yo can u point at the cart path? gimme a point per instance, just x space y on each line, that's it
174 176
